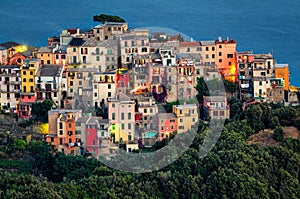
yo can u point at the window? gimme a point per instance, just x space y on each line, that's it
162 128
24 72
172 127
229 55
260 91
213 56
215 113
70 125
220 60
181 127
206 49
74 50
145 110
129 116
220 46
213 48
109 86
199 49
229 63
60 141
52 139
122 116
61 132
31 72
95 94
222 113
113 116
98 58
63 56
129 126
122 126
188 50
260 83
181 120
71 83
220 53
109 94
113 105
194 119
207 56
24 79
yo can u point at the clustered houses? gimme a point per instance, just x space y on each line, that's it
126 76
264 80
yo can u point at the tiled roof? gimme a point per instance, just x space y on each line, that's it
45 49
166 115
76 42
215 98
50 70
9 44
187 44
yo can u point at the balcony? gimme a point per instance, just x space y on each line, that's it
13 82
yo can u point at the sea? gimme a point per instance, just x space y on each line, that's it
262 26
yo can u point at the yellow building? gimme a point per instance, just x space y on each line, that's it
27 96
28 71
187 116
282 71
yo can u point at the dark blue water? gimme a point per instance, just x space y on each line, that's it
262 26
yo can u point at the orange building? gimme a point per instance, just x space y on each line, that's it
222 55
282 71
62 131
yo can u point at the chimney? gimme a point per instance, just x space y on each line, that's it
220 39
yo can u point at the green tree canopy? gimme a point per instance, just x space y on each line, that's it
108 18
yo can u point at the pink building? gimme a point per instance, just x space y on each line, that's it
167 125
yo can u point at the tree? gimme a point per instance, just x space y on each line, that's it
278 134
202 89
274 122
40 110
19 144
42 128
108 18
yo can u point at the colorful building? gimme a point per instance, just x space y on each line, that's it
62 131
121 111
27 97
187 116
216 107
282 71
167 125
10 83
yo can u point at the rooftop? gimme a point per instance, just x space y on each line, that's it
76 42
9 44
281 65
186 44
215 98
206 43
166 115
50 70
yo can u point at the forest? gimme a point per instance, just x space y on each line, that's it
234 168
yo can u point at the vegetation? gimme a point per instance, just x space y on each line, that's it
40 110
108 18
233 169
